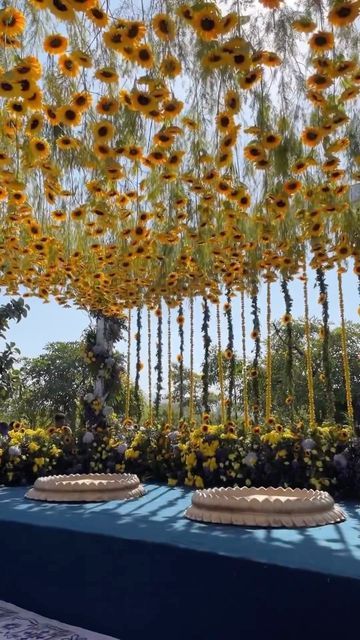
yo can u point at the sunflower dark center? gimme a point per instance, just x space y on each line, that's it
102 131
207 24
143 100
60 6
133 31
97 13
144 54
70 114
164 26
344 12
55 43
320 41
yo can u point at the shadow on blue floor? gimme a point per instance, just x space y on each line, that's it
157 517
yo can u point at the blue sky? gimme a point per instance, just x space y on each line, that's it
50 322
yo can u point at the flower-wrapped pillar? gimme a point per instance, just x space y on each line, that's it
105 366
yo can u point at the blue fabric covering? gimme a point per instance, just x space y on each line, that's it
139 570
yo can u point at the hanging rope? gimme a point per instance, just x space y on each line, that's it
220 365
344 352
309 364
206 343
169 369
149 366
245 380
127 397
191 399
268 398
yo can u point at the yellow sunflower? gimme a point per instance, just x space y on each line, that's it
344 13
206 23
164 27
321 41
12 22
55 44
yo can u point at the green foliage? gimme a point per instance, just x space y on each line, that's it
53 381
13 310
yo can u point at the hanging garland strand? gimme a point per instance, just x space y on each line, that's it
149 366
127 398
158 366
220 364
180 321
268 397
309 363
191 399
169 369
289 371
138 364
323 300
206 343
230 354
344 351
244 363
255 364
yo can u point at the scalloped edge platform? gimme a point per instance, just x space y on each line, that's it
93 487
264 507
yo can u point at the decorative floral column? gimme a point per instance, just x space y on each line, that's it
105 368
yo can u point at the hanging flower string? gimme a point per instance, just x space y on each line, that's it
344 351
180 320
220 364
287 322
191 398
206 344
268 398
244 363
169 369
158 366
325 336
229 354
139 364
128 363
150 417
309 363
255 334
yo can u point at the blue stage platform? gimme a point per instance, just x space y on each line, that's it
139 570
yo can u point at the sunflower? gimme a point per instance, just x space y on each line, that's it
17 107
251 79
344 68
12 22
321 41
185 12
39 149
78 214
270 59
229 22
82 5
170 67
349 94
103 130
232 101
81 101
215 59
113 39
55 44
164 27
133 31
254 152
292 186
28 67
51 114
107 75
224 121
59 215
68 66
344 13
316 98
144 56
68 115
206 23
67 142
271 140
240 60
304 25
108 106
83 59
61 9
98 17
102 150
172 108
319 81
142 101
8 89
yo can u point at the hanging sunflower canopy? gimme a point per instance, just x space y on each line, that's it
168 150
